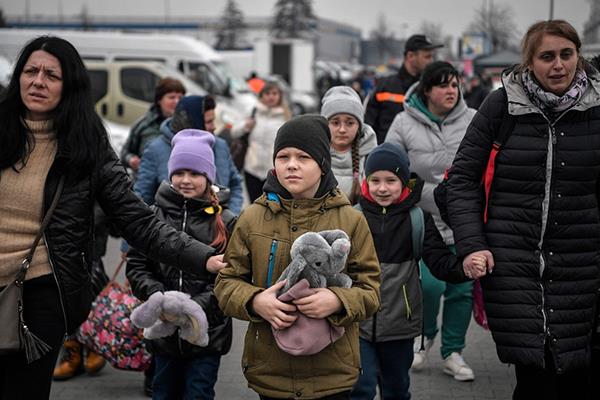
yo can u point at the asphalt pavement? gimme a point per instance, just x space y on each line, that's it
493 380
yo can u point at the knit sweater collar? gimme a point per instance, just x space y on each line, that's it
40 129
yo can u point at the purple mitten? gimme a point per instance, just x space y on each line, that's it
306 336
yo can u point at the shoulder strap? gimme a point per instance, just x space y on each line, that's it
502 134
25 264
417 223
506 126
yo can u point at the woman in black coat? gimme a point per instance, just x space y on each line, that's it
542 232
48 130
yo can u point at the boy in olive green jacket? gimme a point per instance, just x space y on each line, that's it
301 195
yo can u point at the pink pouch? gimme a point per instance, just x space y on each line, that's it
478 306
306 336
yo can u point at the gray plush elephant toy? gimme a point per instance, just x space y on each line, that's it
320 258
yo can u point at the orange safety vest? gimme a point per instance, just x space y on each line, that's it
389 96
256 84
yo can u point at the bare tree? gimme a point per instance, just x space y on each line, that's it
497 22
293 18
2 19
383 37
86 24
436 34
230 32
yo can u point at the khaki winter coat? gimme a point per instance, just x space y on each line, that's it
270 223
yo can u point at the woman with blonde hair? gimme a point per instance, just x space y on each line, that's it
270 113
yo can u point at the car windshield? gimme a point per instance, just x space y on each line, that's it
236 84
190 86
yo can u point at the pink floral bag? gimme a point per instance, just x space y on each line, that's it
108 330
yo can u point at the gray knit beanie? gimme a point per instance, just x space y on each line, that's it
342 100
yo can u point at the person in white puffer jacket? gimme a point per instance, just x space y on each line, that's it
271 112
430 129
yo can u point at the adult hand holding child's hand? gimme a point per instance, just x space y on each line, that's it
477 264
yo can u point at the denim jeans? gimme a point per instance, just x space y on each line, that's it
387 363
185 378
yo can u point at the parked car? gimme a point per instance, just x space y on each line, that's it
124 90
5 72
117 134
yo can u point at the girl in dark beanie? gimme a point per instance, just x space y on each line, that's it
300 195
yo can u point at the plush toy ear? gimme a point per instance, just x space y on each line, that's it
147 313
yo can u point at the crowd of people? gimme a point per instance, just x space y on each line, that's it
521 214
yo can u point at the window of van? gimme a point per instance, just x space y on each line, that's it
139 83
206 77
99 82
129 58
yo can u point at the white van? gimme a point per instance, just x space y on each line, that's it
123 91
193 58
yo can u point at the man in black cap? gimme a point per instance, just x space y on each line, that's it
386 99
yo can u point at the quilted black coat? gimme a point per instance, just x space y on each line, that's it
69 235
543 224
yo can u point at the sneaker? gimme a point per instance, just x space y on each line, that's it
456 366
420 356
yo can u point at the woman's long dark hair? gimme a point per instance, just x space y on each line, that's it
81 137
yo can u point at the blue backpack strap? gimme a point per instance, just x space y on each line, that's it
417 223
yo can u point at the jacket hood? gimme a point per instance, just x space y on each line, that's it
276 203
459 109
519 103
272 185
415 184
367 140
165 130
172 201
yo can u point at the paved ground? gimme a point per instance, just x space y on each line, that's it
493 380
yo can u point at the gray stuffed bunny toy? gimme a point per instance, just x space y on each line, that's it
163 313
318 257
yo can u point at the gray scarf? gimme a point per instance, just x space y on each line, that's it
551 104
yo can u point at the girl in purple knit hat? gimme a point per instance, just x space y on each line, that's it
191 203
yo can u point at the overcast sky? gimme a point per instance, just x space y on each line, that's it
403 16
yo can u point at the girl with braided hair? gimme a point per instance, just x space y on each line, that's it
191 203
351 139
